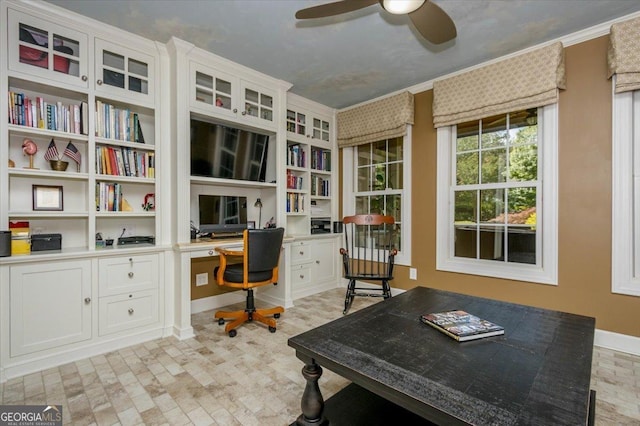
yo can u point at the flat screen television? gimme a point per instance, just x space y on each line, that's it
223 152
222 214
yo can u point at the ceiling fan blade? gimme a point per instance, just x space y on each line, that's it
433 23
335 8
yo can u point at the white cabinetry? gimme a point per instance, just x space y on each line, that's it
95 92
128 288
310 165
313 266
50 305
214 92
46 50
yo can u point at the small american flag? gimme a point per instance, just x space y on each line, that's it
52 152
72 152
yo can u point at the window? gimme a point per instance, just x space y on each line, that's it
380 173
625 260
492 177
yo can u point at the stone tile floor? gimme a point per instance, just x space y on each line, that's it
252 379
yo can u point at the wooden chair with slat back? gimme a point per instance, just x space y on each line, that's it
368 255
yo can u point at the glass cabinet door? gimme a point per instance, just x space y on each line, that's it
44 49
321 129
296 122
123 72
258 104
212 91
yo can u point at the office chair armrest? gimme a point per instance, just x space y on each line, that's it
227 252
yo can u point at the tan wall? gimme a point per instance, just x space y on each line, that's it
206 265
584 192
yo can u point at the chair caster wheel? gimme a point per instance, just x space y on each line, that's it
232 333
272 329
221 321
276 316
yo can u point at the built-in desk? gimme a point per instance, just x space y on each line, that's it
206 247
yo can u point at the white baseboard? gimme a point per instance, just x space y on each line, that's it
617 342
218 301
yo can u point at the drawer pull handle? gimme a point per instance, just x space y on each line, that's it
301 253
210 252
87 300
301 276
130 311
130 274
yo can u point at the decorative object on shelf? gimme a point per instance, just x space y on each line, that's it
72 152
251 224
53 157
99 241
29 148
149 202
219 102
12 164
47 198
258 204
58 165
126 207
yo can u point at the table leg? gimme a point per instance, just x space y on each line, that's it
312 402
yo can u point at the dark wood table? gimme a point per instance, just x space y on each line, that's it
538 373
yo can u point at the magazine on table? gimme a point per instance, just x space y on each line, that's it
461 325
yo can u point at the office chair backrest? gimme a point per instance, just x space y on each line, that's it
263 248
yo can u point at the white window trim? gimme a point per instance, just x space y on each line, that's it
547 271
625 245
350 180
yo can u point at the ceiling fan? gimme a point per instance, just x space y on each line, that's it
429 19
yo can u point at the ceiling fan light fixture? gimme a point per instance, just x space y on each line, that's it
401 7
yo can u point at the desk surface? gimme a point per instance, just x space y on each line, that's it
537 373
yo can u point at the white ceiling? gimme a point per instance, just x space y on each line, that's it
344 60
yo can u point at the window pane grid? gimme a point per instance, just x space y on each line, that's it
495 187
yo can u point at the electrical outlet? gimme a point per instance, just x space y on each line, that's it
413 274
202 279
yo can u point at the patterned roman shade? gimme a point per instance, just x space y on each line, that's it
624 55
525 81
379 120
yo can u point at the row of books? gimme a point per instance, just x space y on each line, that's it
117 123
296 157
320 187
293 181
321 159
124 161
295 203
38 113
109 197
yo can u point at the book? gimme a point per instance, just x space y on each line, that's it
461 325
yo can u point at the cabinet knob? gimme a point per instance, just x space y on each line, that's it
130 274
87 300
244 112
84 78
235 110
210 252
317 262
99 82
130 311
301 276
131 259
301 253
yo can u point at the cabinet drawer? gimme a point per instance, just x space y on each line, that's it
120 275
300 276
300 252
127 311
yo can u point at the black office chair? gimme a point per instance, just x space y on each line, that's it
368 255
260 255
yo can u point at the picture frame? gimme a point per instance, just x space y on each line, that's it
251 224
47 198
